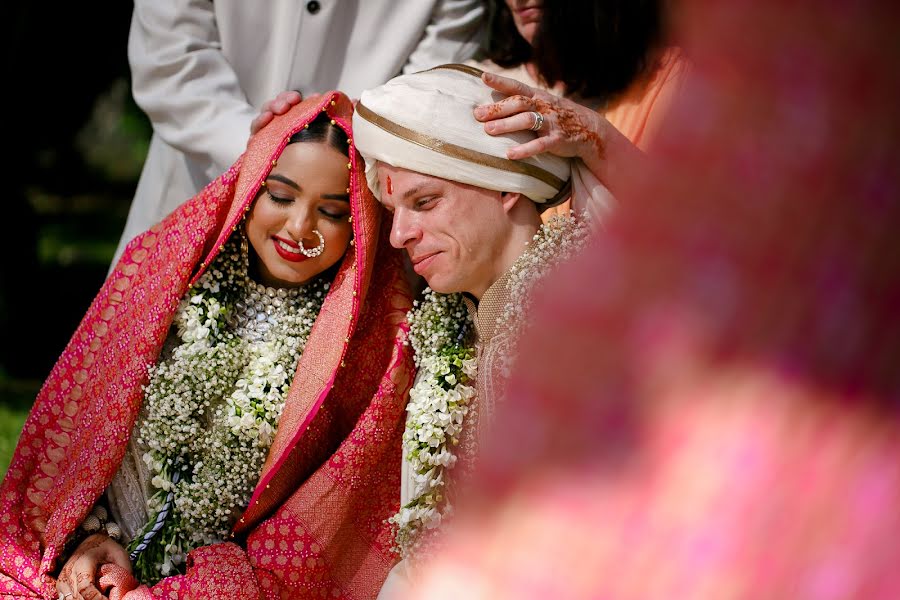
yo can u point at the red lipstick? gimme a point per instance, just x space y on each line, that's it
287 254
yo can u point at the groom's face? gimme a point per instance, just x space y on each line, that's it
450 230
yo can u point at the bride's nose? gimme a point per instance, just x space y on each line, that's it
300 223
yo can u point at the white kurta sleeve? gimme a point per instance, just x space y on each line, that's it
452 35
184 83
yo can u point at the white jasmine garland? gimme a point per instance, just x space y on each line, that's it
211 408
445 358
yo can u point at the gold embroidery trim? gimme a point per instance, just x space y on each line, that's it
469 70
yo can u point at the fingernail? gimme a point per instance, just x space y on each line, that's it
479 112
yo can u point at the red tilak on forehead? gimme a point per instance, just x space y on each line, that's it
390 188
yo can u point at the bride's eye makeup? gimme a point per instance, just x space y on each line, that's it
279 199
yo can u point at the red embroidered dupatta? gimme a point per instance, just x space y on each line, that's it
316 521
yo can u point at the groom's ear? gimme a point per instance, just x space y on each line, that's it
509 199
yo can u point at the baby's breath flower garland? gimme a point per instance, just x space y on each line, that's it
439 331
211 407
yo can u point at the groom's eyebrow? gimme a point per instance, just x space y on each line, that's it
417 190
411 192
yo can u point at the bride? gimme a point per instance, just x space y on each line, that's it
227 417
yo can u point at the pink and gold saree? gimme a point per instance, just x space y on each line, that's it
315 525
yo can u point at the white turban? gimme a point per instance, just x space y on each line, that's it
424 122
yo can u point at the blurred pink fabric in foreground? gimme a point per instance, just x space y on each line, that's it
708 404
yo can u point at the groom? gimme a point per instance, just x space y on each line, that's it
470 220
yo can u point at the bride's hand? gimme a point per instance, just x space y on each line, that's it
80 575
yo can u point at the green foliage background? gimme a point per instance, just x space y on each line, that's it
77 143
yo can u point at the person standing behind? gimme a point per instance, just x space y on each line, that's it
200 70
610 55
